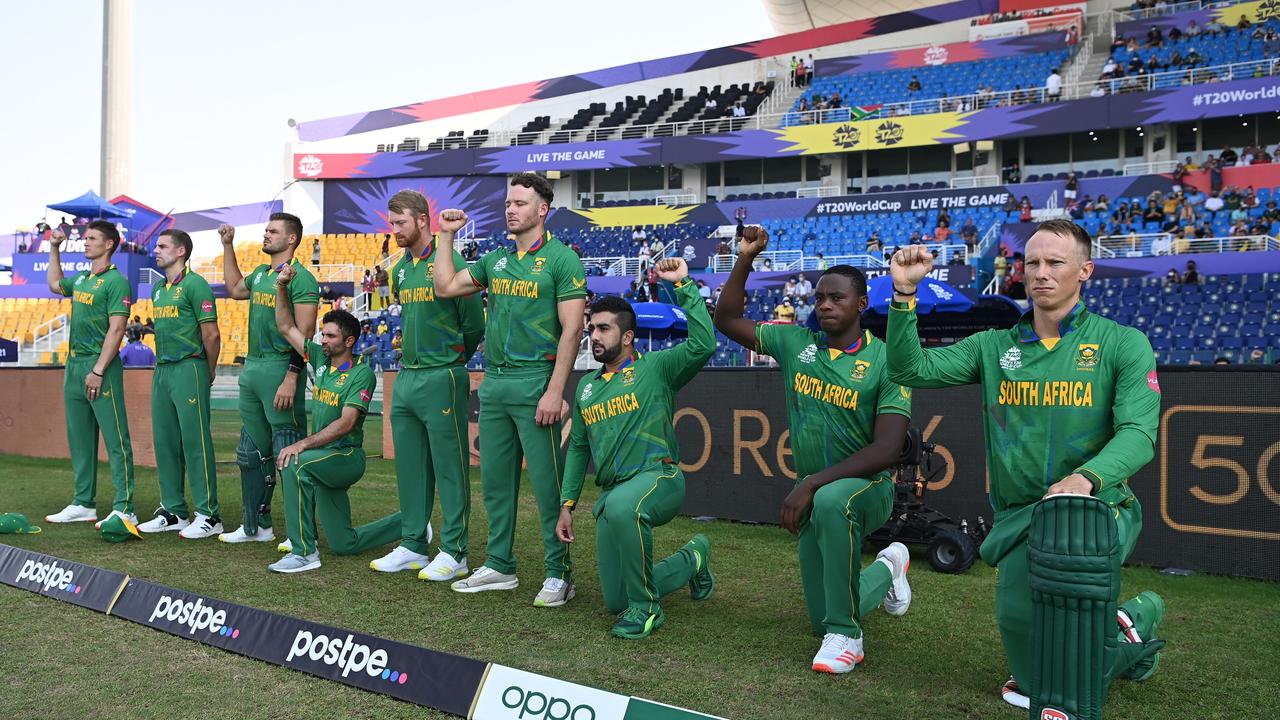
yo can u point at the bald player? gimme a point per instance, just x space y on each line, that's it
1070 402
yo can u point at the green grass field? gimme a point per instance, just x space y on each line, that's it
742 654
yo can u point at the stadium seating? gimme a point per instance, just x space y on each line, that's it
951 80
1230 46
1226 316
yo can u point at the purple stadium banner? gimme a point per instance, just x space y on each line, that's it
940 54
210 219
360 206
795 43
29 271
1255 95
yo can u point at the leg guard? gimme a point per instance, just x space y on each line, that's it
281 438
254 473
1073 558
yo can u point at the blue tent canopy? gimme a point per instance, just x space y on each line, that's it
90 205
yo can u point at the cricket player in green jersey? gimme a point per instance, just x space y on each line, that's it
93 385
1070 407
272 414
429 404
623 423
537 297
848 423
319 468
187 348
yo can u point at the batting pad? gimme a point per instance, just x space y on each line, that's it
1073 560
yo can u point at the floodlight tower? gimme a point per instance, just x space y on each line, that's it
117 97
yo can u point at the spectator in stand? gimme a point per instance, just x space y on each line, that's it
915 238
1109 69
1186 215
1101 204
1024 209
789 289
638 234
386 244
822 261
1154 37
1171 203
874 243
1227 157
1053 86
808 71
1271 44
767 265
1193 29
369 284
328 294
315 252
1073 36
149 327
1017 289
1172 277
942 233
1194 197
801 73
803 311
1180 176
1232 199
384 287
1191 276
136 354
785 311
1001 264
1271 213
914 86
395 310
1153 213
969 235
703 290
1070 189
1013 174
804 288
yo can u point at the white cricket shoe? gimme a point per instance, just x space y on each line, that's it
73 513
443 567
402 558
898 558
240 536
201 526
296 563
484 579
554 593
164 521
284 547
132 518
839 654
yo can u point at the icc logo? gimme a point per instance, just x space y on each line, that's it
310 166
846 136
889 133
935 55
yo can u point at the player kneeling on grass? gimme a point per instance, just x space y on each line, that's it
848 424
1071 401
622 422
331 459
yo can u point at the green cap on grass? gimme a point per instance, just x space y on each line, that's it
117 529
16 523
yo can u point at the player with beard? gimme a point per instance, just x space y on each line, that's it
272 378
537 297
429 403
623 423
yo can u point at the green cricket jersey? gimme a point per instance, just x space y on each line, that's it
180 308
95 297
833 394
1087 402
351 383
523 328
623 420
265 341
435 332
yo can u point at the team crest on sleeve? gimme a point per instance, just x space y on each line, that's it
580 283
365 395
500 265
1087 356
905 392
1153 381
1011 360
206 306
809 354
586 393
859 371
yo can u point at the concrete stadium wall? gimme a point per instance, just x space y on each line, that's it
33 421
